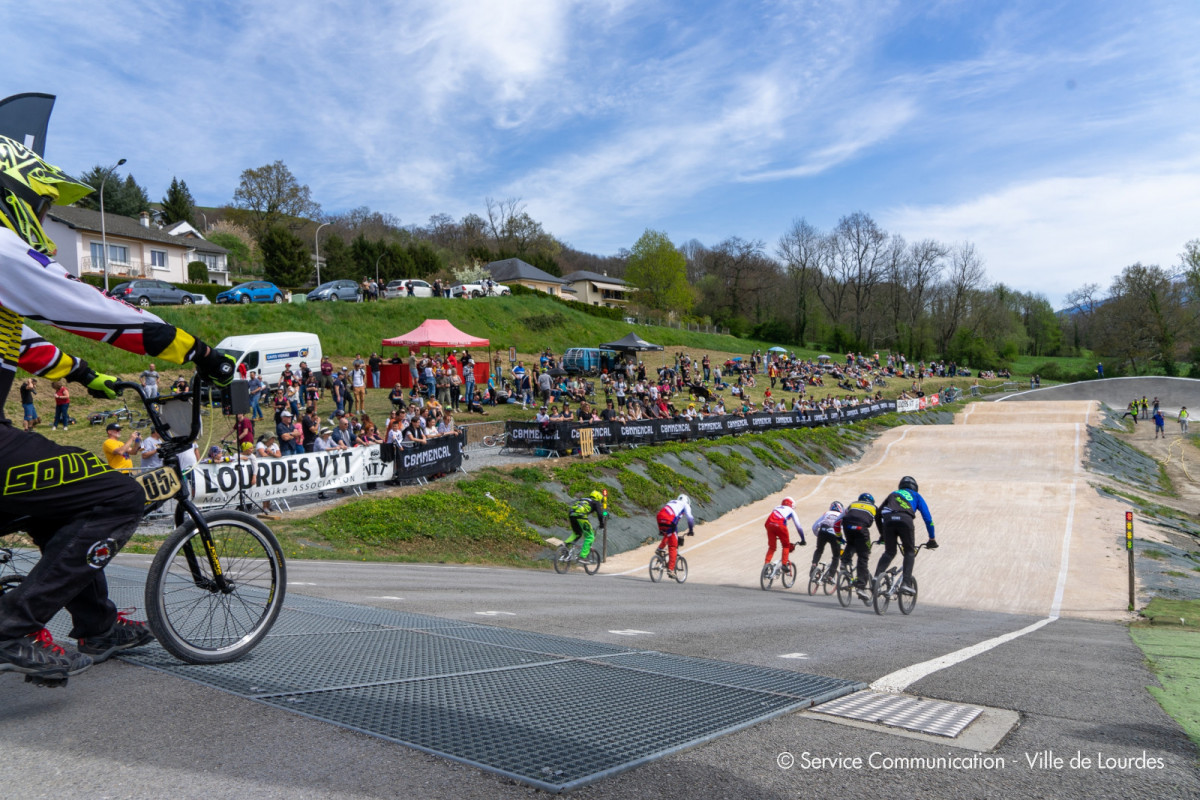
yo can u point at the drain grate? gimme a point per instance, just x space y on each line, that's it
904 711
549 711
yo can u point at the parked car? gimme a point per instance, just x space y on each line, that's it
199 299
252 292
332 291
146 293
399 288
478 290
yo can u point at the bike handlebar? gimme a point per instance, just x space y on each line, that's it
151 404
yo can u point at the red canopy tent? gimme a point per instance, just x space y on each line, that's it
436 333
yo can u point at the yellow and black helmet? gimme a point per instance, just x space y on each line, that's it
28 186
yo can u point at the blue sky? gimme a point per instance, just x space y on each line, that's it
1063 139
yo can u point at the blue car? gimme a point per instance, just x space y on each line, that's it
252 292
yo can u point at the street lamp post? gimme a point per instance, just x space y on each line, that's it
103 227
317 242
205 221
381 255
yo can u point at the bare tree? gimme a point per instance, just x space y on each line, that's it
857 254
927 261
803 251
966 276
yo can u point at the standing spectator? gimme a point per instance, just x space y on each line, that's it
28 390
268 447
1100 370
326 373
455 388
376 364
343 437
468 366
286 434
1183 420
430 381
244 427
150 457
443 387
358 381
150 381
311 425
293 398
545 385
339 394
325 442
117 453
62 405
257 389
1159 422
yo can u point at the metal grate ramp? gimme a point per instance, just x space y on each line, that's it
550 711
904 711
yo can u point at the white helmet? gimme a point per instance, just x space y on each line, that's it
789 502
683 498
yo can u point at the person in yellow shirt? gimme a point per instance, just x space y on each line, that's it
117 453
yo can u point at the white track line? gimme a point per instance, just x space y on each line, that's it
815 489
901 679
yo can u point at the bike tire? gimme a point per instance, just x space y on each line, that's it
845 589
908 602
11 582
767 576
562 559
681 572
591 564
788 575
831 586
201 624
881 599
814 578
657 568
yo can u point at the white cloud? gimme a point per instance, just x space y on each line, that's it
1056 234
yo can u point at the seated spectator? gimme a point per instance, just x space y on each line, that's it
343 435
396 396
446 426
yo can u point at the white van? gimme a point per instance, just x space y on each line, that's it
268 353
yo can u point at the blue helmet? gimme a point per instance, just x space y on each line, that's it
866 497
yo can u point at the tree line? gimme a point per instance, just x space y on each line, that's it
853 287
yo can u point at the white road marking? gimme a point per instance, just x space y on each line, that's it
632 632
300 583
794 655
383 597
901 679
495 613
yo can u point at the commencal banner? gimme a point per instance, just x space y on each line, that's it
564 436
308 473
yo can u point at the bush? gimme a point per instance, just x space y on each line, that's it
603 312
197 272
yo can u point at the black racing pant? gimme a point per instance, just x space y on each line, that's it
825 537
898 527
858 543
81 513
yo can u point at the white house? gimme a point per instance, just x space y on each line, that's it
136 249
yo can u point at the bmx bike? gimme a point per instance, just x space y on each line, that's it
659 562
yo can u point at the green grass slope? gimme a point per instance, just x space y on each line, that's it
528 323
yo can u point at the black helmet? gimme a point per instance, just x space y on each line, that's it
908 483
866 497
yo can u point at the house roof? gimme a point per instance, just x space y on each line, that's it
514 269
85 219
584 275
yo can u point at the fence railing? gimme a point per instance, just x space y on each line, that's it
477 430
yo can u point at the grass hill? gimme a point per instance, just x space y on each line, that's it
531 324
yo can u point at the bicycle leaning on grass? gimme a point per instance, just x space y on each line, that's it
217 582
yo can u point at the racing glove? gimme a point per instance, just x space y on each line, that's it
216 368
691 532
931 544
98 385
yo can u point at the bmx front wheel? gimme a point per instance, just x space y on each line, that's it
562 559
193 617
908 602
680 569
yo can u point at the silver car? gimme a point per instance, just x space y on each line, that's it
334 291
